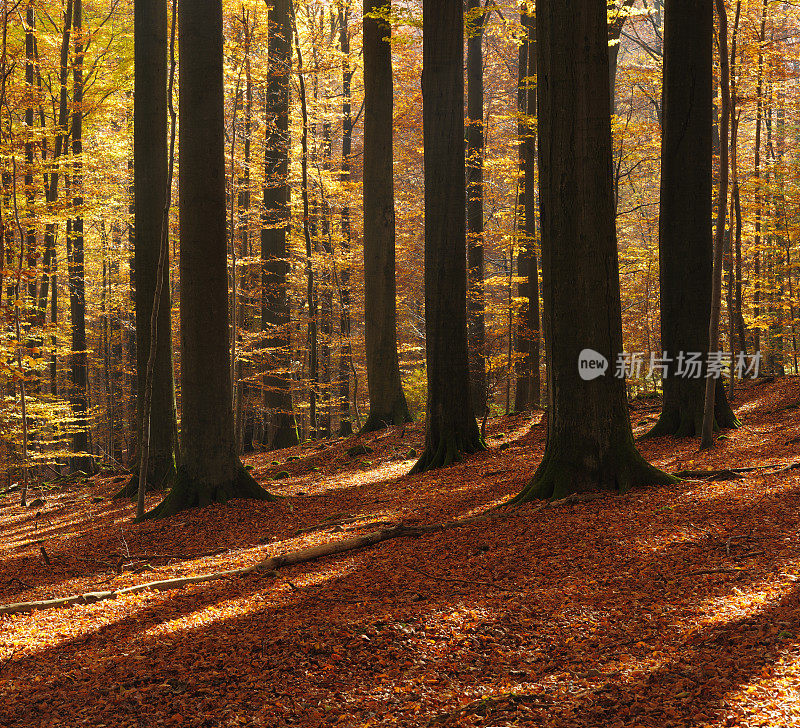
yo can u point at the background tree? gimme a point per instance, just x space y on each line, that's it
77 283
275 313
528 338
707 434
450 427
150 191
476 303
346 351
589 439
387 403
685 241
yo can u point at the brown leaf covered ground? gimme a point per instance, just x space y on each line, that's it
675 606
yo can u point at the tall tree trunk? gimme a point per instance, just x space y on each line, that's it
150 192
476 303
737 203
77 281
210 469
711 388
30 192
528 332
345 352
275 312
450 427
734 262
51 181
326 288
243 392
589 439
387 403
759 195
308 223
685 242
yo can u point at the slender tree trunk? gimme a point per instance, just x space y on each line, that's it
308 222
210 469
51 181
387 403
326 287
77 282
735 218
242 393
150 192
345 352
30 192
759 198
450 427
685 240
615 26
476 304
275 312
528 331
707 438
589 439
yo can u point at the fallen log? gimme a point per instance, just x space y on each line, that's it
273 563
732 473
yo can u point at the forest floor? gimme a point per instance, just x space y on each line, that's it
669 606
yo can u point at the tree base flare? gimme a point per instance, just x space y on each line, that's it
559 476
130 490
683 423
450 449
284 437
380 421
186 493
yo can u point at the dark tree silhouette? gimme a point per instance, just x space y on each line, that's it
685 235
150 190
387 403
210 469
274 245
450 427
589 440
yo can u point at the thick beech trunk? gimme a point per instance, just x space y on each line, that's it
685 242
589 439
387 403
210 469
275 313
450 427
